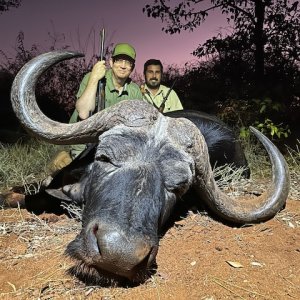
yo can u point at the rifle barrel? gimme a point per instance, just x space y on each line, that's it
102 39
100 93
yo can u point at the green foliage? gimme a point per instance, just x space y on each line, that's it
268 104
256 113
224 88
269 128
259 114
244 132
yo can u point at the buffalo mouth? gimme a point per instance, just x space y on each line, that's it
94 275
92 271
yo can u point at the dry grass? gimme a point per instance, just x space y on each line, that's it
38 237
293 160
290 219
25 163
261 169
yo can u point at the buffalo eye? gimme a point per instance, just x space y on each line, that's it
103 158
177 186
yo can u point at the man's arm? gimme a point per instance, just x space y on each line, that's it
87 101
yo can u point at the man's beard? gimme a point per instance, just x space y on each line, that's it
153 83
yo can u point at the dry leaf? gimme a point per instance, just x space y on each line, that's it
180 223
235 264
291 225
256 264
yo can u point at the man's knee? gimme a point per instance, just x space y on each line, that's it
62 159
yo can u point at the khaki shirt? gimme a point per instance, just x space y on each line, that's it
172 103
130 91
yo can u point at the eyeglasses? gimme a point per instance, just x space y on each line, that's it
121 61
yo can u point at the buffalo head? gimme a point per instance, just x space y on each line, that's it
144 162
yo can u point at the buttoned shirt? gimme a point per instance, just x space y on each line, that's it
171 104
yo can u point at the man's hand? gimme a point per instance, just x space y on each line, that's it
86 103
143 89
98 71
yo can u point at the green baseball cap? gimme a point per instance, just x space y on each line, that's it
124 49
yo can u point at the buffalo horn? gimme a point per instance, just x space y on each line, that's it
251 210
32 118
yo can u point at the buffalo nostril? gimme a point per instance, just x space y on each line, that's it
92 240
95 229
95 232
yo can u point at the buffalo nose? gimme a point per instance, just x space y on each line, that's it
117 251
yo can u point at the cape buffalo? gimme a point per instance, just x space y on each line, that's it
144 161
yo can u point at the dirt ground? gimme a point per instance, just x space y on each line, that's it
198 258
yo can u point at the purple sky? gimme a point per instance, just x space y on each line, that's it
123 20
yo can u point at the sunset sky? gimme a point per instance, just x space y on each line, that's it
124 21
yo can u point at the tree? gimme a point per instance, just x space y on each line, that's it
7 4
265 31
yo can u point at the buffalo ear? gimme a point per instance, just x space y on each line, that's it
58 193
69 193
75 191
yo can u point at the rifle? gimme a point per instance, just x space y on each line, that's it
162 106
100 97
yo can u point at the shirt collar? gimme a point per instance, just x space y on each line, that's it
148 91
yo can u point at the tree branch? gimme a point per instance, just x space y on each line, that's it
243 12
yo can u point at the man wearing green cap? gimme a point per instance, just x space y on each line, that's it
118 86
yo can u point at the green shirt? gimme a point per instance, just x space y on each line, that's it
112 96
172 103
